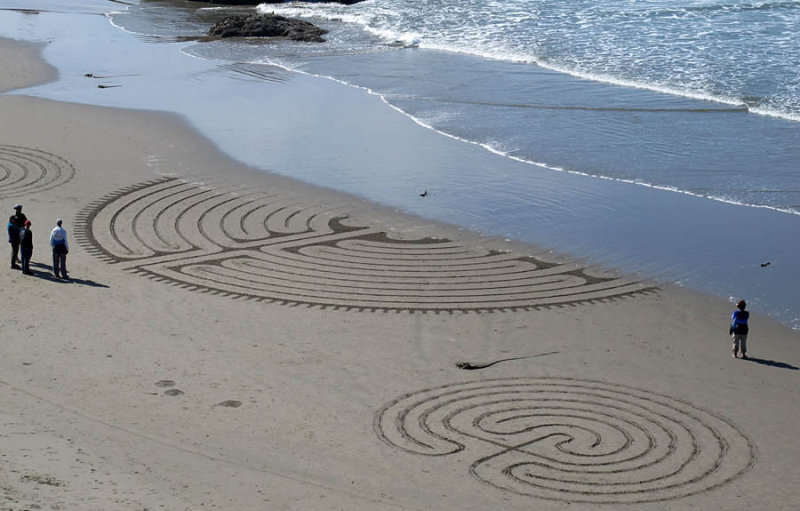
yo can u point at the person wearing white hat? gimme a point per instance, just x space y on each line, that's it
15 224
58 240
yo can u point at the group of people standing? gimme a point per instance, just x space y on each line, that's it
21 238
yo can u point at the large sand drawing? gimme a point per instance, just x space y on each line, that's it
24 170
260 246
570 440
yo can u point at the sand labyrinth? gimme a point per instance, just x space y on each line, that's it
260 246
570 440
24 170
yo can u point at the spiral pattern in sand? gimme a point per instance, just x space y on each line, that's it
571 440
255 245
24 170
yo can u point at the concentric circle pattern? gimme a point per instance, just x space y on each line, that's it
266 247
24 170
570 440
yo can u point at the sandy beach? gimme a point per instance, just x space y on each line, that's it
232 339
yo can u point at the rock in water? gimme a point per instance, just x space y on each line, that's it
267 25
256 2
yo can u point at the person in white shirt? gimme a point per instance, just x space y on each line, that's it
58 240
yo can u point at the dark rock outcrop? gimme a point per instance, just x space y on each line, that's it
256 2
266 25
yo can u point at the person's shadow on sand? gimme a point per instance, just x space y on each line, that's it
772 363
44 271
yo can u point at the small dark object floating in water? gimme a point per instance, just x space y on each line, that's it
424 194
400 43
764 265
91 75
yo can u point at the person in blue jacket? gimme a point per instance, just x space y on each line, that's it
739 328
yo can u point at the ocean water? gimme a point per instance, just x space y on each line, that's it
660 137
642 60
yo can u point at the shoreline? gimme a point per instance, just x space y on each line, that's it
709 246
137 385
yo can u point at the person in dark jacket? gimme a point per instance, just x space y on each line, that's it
26 247
15 224
739 328
13 238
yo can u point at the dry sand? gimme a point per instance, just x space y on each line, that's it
229 340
